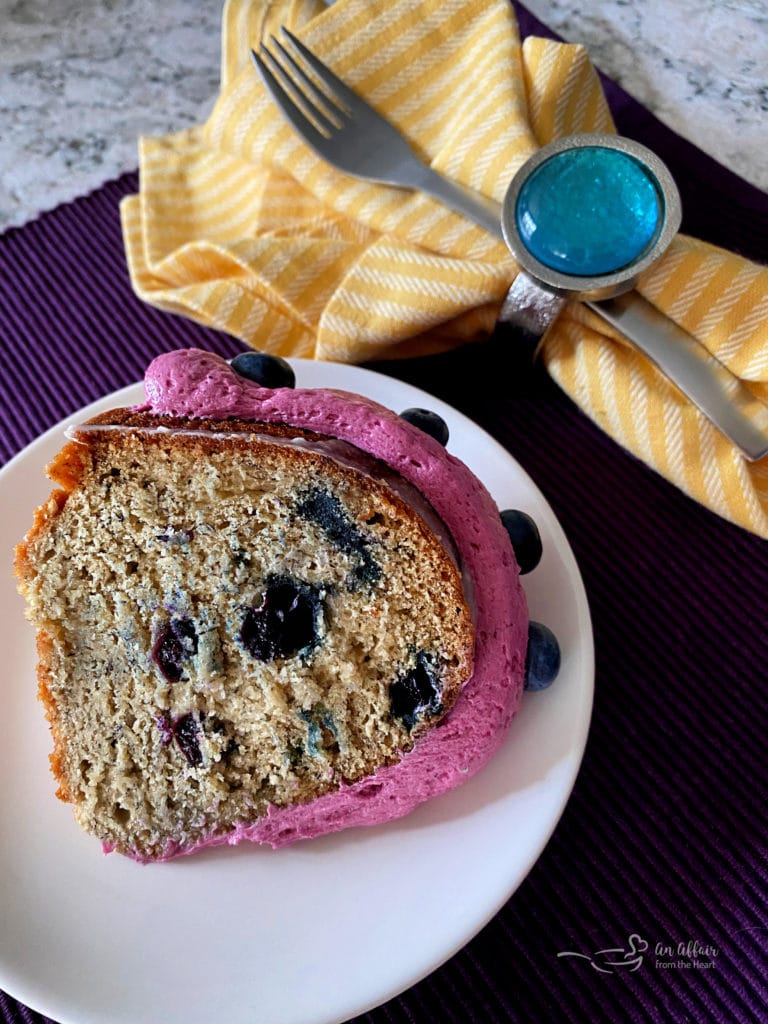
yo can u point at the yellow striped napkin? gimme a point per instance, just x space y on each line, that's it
241 227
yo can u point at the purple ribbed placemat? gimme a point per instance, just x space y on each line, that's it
664 834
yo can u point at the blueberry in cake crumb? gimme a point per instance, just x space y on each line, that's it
321 731
269 371
313 733
175 644
542 660
185 732
286 622
525 538
429 422
326 511
417 693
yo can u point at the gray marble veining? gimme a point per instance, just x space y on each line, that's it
701 66
80 80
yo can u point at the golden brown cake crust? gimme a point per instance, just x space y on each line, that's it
25 572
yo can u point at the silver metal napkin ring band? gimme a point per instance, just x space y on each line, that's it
545 283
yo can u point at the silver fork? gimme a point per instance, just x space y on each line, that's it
350 135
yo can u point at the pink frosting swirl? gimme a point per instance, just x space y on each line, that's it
200 384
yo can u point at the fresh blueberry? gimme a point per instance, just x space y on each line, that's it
429 422
542 660
285 623
185 733
416 693
269 371
175 643
525 537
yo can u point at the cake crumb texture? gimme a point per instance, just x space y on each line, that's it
230 625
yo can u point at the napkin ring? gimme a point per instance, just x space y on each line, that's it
584 216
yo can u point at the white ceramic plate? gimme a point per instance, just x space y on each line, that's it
312 934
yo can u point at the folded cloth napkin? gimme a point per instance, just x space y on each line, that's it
240 226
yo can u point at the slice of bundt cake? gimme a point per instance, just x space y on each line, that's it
254 611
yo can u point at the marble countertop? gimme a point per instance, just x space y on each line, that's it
82 79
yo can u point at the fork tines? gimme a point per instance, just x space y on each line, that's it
302 86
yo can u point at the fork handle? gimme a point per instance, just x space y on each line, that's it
483 211
719 394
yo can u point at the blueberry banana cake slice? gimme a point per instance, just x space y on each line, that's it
265 613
